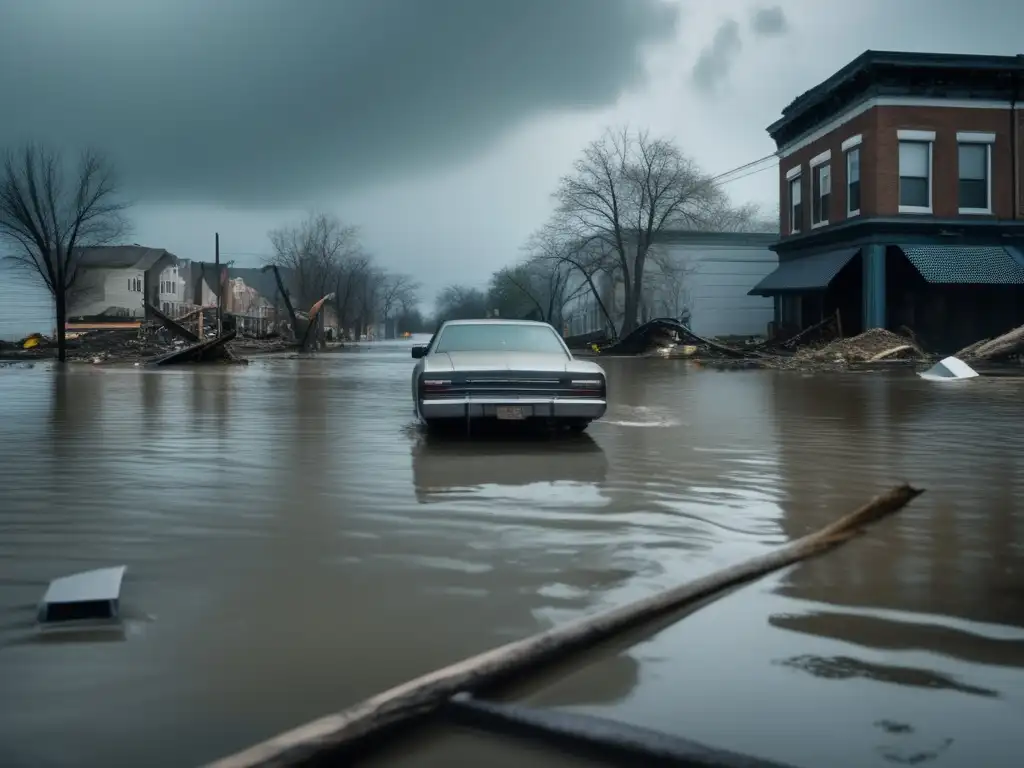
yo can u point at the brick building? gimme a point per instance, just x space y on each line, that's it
900 198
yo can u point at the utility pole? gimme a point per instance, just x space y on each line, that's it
220 282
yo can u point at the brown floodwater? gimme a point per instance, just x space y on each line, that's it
294 544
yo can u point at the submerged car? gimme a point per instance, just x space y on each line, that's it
505 370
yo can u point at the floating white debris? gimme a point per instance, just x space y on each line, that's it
88 596
948 369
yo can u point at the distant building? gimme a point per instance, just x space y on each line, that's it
702 278
113 282
901 199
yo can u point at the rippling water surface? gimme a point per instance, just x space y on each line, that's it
294 544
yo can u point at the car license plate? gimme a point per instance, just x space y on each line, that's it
511 412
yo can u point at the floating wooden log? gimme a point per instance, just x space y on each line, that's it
203 352
591 735
327 737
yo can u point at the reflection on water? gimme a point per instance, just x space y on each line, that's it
550 469
295 543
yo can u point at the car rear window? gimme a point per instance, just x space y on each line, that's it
499 337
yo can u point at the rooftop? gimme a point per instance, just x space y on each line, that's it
122 256
864 70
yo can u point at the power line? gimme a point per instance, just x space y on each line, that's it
247 253
749 173
767 158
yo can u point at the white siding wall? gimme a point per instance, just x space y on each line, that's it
121 293
171 286
88 293
718 285
26 306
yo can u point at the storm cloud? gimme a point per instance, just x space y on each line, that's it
716 59
270 102
769 21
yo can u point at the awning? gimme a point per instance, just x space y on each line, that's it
976 264
807 273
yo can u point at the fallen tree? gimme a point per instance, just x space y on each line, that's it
325 739
647 335
1002 347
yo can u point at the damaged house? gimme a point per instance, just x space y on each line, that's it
901 204
250 294
113 282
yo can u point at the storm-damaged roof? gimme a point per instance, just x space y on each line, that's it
122 256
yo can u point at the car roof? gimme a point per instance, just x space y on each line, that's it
495 321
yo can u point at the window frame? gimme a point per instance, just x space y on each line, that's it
976 138
818 162
917 137
850 146
794 178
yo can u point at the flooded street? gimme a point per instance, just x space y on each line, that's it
294 543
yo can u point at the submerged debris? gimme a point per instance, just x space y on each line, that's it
131 345
88 596
949 369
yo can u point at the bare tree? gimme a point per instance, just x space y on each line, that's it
591 259
722 216
539 286
312 253
669 285
626 190
368 297
48 212
350 277
460 302
397 291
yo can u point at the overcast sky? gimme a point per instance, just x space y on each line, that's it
440 127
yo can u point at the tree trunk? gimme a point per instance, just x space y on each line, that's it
629 312
61 316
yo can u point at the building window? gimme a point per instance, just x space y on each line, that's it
822 194
853 182
796 209
916 171
974 188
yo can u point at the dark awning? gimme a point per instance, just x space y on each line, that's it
977 264
807 273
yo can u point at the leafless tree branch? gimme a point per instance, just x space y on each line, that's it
49 211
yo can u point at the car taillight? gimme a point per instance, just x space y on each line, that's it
436 385
589 385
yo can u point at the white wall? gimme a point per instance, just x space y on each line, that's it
718 276
172 295
26 306
119 293
718 283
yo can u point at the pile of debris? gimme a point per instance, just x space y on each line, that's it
871 346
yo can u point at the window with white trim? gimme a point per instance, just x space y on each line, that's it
796 209
821 191
974 182
853 182
915 176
